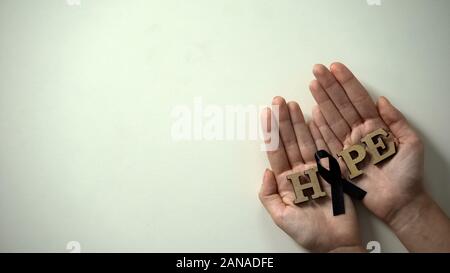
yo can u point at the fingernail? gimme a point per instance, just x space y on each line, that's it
278 100
385 99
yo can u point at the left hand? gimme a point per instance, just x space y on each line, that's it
310 224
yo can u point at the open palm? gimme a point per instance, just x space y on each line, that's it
311 224
345 114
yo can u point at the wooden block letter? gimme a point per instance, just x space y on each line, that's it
373 147
313 183
351 161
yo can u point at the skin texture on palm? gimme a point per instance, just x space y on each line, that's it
310 224
345 114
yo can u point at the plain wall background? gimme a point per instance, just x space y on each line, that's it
86 93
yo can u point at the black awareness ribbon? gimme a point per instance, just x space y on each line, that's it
339 185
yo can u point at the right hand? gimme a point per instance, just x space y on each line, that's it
345 114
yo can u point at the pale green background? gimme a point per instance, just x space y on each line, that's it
86 94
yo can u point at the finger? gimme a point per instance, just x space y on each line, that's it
321 145
396 122
270 198
337 94
304 139
355 91
324 143
331 114
277 157
334 145
317 136
287 133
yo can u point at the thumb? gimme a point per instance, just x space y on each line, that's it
395 120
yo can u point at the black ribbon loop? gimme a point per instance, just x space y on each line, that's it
339 185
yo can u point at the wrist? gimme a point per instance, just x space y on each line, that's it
403 218
422 226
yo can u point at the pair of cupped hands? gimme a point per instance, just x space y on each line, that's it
343 115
